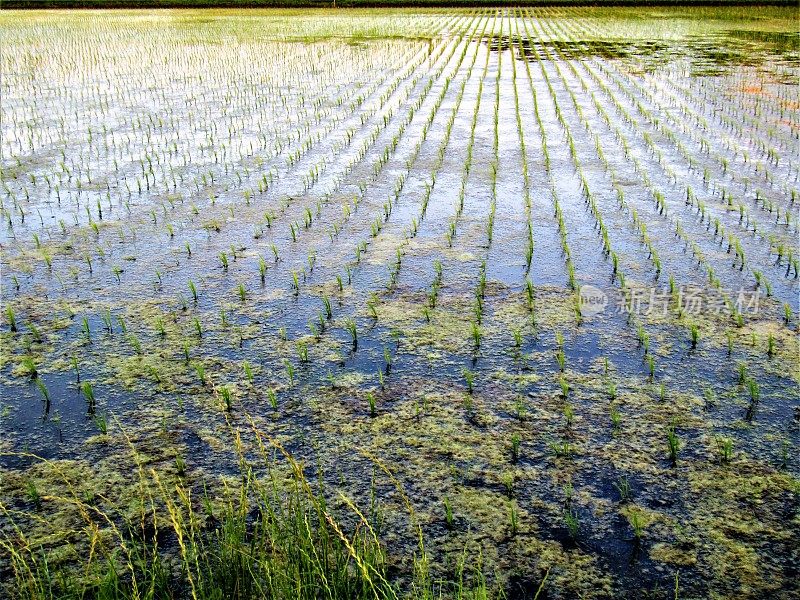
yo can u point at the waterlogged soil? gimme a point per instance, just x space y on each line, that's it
505 256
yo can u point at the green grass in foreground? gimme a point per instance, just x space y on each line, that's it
272 535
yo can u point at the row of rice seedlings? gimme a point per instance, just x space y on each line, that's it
476 331
644 338
590 199
308 216
392 145
702 208
526 187
737 317
734 174
572 282
349 324
429 187
433 295
378 223
558 213
151 168
529 289
322 325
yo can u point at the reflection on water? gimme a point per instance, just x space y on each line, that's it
705 54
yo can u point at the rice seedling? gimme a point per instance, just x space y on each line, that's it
272 396
624 488
515 447
101 422
387 359
136 344
88 394
517 334
248 371
226 395
637 523
644 338
469 378
87 332
742 371
673 444
562 382
32 494
262 269
200 371
10 317
45 393
28 367
351 328
569 415
302 352
372 307
569 492
372 404
529 294
725 449
198 327
289 367
448 513
76 368
561 360
616 419
753 390
477 334
562 449
107 320
572 523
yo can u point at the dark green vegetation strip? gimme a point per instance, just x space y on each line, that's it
102 4
487 303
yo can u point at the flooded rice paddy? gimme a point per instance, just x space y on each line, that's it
524 281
